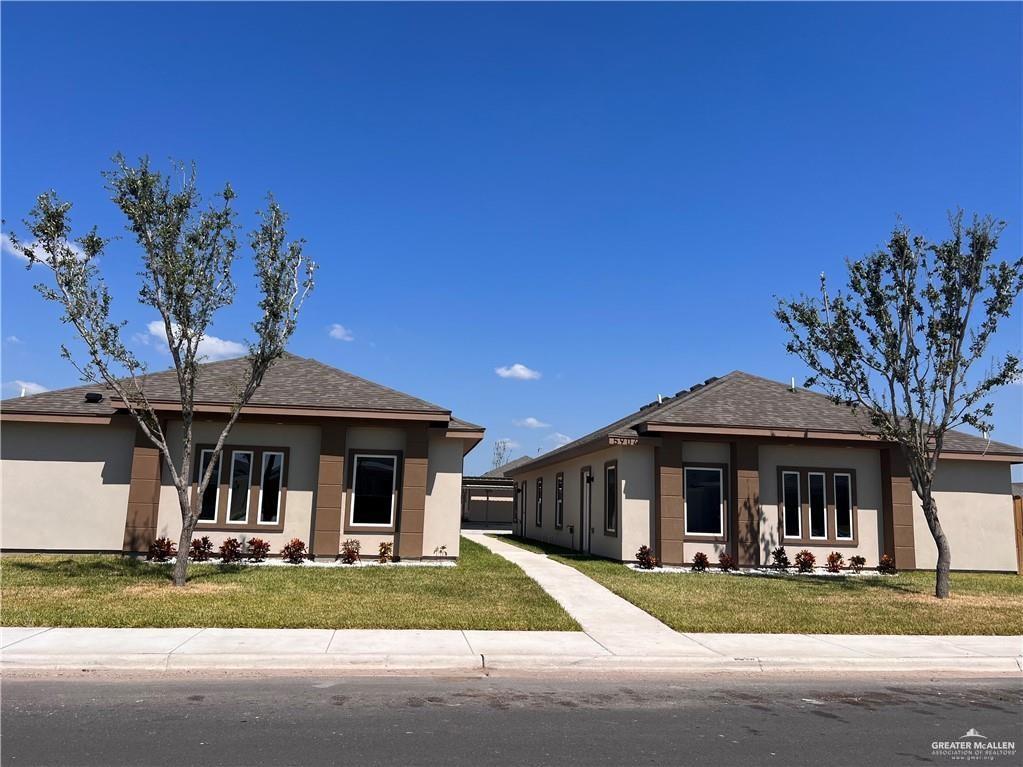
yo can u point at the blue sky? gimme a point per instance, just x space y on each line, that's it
608 195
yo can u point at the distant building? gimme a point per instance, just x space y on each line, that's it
489 500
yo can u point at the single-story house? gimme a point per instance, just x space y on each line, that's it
488 500
317 454
742 465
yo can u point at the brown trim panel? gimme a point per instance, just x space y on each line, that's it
143 496
330 486
897 509
669 522
412 517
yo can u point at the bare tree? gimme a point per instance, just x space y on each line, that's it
902 343
501 450
188 251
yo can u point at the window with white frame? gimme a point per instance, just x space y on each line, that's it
374 490
704 501
611 498
539 501
843 507
239 490
818 505
210 498
271 480
793 505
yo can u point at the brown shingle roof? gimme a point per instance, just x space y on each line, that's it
741 400
295 382
502 471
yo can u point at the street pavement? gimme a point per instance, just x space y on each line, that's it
551 720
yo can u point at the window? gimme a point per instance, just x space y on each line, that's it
704 501
270 483
559 501
843 507
818 506
611 498
373 490
208 511
793 519
241 484
539 502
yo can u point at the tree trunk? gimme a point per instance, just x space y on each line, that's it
188 522
941 582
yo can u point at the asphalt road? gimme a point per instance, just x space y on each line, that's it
495 721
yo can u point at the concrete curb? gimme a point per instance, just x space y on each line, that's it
339 662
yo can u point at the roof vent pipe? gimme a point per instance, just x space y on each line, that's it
660 399
792 386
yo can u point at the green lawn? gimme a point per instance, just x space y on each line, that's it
483 591
981 603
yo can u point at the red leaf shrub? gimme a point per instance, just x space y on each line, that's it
349 551
258 549
780 559
231 551
385 552
887 565
726 562
201 549
645 558
700 561
835 562
856 562
805 561
294 551
162 549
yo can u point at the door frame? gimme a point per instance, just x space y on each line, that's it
586 509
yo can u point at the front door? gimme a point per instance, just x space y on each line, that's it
585 505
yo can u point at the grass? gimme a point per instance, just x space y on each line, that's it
484 591
981 603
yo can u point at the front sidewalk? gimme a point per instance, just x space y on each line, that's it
62 649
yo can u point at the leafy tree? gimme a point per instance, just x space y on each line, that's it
902 344
188 251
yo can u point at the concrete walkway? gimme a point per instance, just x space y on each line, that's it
615 623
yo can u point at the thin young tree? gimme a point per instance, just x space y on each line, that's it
501 449
187 250
905 345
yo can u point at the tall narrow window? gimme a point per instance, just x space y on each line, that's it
208 511
271 479
611 498
539 502
559 500
241 484
374 490
704 501
793 504
818 506
843 507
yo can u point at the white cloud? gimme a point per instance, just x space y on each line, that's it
211 348
559 439
340 333
518 371
531 423
13 340
7 246
15 388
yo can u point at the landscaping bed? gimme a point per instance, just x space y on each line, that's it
868 603
483 591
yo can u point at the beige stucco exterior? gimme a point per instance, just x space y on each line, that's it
64 487
443 519
975 509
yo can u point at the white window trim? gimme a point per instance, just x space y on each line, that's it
559 502
394 485
618 498
216 495
809 504
538 507
248 490
280 486
721 504
799 505
852 526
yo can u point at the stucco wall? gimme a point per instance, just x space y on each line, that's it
64 486
601 543
443 518
975 509
303 442
867 465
